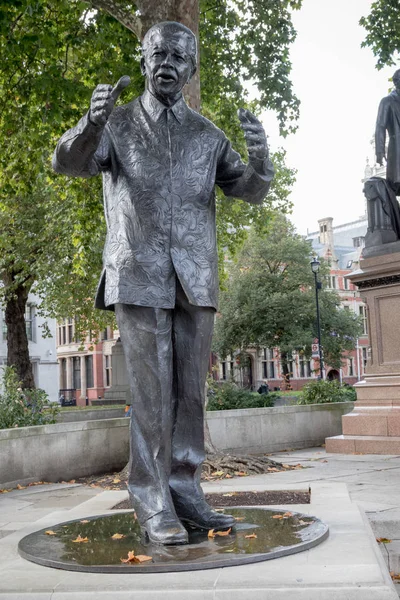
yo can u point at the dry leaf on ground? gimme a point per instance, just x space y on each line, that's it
140 558
383 540
212 533
80 539
117 536
251 536
85 521
287 515
50 532
277 516
21 487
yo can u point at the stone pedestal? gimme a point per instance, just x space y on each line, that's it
119 392
373 427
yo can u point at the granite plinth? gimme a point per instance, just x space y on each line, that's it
260 534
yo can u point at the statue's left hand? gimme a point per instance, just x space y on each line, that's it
255 138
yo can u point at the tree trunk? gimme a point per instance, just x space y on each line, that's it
17 339
286 375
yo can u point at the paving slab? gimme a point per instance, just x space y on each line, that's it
347 566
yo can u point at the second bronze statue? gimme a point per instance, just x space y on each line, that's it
160 161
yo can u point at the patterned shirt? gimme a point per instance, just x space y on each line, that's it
159 169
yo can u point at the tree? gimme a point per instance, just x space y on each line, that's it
270 300
52 55
383 31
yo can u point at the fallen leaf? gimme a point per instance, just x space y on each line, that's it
85 521
80 539
287 515
140 558
217 473
228 495
131 557
301 522
251 536
227 476
383 540
298 467
241 473
286 466
21 487
239 518
72 481
116 480
117 536
50 532
212 533
277 517
273 469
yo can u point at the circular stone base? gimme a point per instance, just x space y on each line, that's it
260 534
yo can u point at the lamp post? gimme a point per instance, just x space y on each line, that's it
315 264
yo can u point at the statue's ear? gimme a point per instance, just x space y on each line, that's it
193 71
142 67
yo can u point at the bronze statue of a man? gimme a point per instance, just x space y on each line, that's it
160 161
388 120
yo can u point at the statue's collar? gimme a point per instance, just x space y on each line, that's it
155 108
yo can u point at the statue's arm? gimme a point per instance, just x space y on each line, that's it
82 151
239 180
380 132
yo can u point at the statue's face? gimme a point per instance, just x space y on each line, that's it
167 64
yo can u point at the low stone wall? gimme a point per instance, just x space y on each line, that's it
62 451
66 451
72 416
256 430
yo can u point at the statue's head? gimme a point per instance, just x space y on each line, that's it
169 58
396 79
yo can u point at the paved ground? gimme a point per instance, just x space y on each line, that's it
373 483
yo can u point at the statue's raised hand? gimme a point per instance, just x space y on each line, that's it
103 99
255 138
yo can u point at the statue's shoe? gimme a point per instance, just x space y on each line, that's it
164 528
197 513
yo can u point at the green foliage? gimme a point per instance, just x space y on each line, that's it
270 300
21 408
383 31
322 391
228 396
52 55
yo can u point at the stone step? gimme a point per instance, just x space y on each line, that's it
364 444
372 424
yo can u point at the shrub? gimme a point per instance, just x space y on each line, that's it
322 391
227 396
20 408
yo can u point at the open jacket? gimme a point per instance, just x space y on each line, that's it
159 169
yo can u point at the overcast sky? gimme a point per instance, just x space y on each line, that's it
340 89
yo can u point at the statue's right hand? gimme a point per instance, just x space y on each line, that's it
103 100
101 104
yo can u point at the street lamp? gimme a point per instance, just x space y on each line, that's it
315 264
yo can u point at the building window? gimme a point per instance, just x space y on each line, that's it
346 307
305 367
89 371
351 367
104 334
108 370
29 321
76 372
227 369
331 282
268 365
70 328
363 314
346 283
364 358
